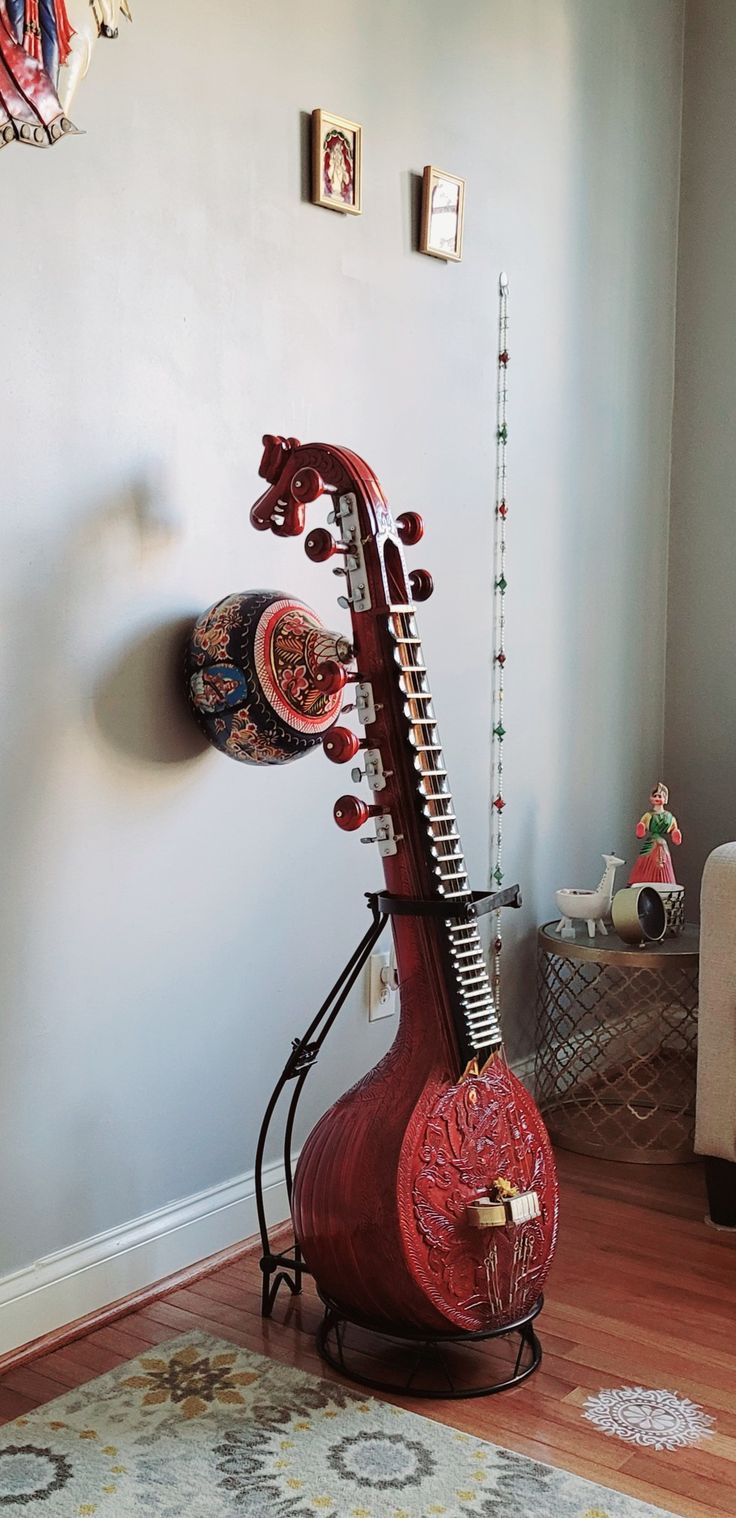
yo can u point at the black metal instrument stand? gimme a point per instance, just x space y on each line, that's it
420 1364
286 1267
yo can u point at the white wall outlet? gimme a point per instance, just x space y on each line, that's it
383 987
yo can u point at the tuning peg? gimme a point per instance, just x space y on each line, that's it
422 584
332 677
319 545
351 813
340 745
410 528
307 485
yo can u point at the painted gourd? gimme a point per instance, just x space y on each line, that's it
251 663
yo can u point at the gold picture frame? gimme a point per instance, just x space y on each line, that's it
337 163
443 214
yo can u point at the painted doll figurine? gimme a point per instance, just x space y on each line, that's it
654 865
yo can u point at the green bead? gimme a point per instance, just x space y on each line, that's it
499 732
503 434
498 875
502 585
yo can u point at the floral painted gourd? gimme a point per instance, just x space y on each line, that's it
251 670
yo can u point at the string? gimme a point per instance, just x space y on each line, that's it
408 650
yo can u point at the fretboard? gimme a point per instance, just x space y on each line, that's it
470 994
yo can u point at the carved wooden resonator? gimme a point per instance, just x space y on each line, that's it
427 1195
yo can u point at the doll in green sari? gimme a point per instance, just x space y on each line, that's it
656 827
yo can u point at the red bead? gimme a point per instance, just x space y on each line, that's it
499 803
503 510
497 945
501 659
503 358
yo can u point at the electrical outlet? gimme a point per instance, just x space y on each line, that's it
383 992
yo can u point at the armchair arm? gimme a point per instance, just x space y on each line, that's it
715 1133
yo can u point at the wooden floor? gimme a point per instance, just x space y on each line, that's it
642 1293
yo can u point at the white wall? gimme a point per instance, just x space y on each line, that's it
170 918
700 742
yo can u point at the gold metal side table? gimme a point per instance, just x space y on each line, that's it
616 1045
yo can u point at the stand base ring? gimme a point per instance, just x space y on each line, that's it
423 1349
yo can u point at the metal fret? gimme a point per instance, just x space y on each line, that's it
473 1001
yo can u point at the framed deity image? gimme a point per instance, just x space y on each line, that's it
443 210
337 163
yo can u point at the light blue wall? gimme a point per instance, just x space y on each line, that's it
170 918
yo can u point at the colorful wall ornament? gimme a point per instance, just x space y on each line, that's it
253 676
46 48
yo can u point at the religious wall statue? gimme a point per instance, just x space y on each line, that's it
46 48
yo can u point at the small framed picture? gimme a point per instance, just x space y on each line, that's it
443 209
337 163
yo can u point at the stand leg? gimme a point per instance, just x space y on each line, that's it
282 1268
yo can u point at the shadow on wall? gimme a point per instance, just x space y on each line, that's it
65 594
140 703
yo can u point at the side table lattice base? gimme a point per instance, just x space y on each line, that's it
616 1046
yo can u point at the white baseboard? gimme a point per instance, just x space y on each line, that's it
89 1276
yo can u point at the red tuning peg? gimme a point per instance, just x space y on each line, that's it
332 676
422 584
340 744
410 528
307 485
320 545
351 813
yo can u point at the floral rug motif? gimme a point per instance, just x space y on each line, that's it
201 1429
653 1419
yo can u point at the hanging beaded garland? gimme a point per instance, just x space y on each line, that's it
500 586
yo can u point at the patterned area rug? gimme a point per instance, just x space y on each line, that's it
200 1429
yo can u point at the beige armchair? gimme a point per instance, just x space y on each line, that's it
715 1133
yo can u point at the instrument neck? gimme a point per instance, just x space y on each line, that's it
430 829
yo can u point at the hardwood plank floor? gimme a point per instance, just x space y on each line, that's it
642 1293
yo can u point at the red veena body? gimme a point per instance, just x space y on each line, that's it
385 1179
